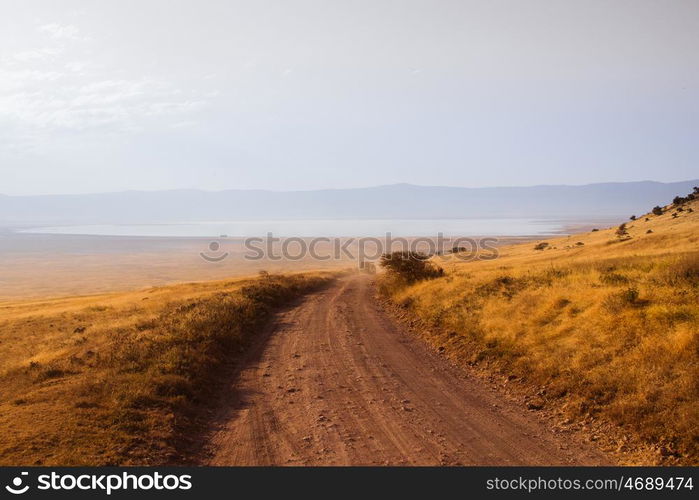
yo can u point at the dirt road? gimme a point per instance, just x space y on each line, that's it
338 383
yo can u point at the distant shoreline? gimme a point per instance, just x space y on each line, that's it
331 228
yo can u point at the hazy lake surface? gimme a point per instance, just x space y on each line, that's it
328 228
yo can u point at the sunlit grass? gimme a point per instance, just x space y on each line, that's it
119 379
609 329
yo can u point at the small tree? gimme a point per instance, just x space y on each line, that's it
410 266
621 230
678 200
657 210
633 217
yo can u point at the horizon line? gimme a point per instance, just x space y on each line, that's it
378 186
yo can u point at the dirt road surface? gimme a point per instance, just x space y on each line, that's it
336 382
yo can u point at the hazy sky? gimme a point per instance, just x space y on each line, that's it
114 95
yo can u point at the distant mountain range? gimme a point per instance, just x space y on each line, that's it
398 201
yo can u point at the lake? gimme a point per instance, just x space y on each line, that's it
322 227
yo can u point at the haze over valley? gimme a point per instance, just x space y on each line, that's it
399 201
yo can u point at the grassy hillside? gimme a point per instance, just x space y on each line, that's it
605 323
118 379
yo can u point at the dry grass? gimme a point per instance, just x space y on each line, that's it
118 379
609 327
35 267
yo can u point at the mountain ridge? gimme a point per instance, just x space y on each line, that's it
379 186
392 201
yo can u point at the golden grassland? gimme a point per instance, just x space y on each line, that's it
119 378
606 325
40 266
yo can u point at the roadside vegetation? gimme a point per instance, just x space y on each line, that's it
406 268
121 379
605 324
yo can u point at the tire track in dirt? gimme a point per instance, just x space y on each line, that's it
338 383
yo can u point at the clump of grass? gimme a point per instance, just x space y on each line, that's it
561 303
503 285
622 230
628 297
611 277
683 271
49 373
